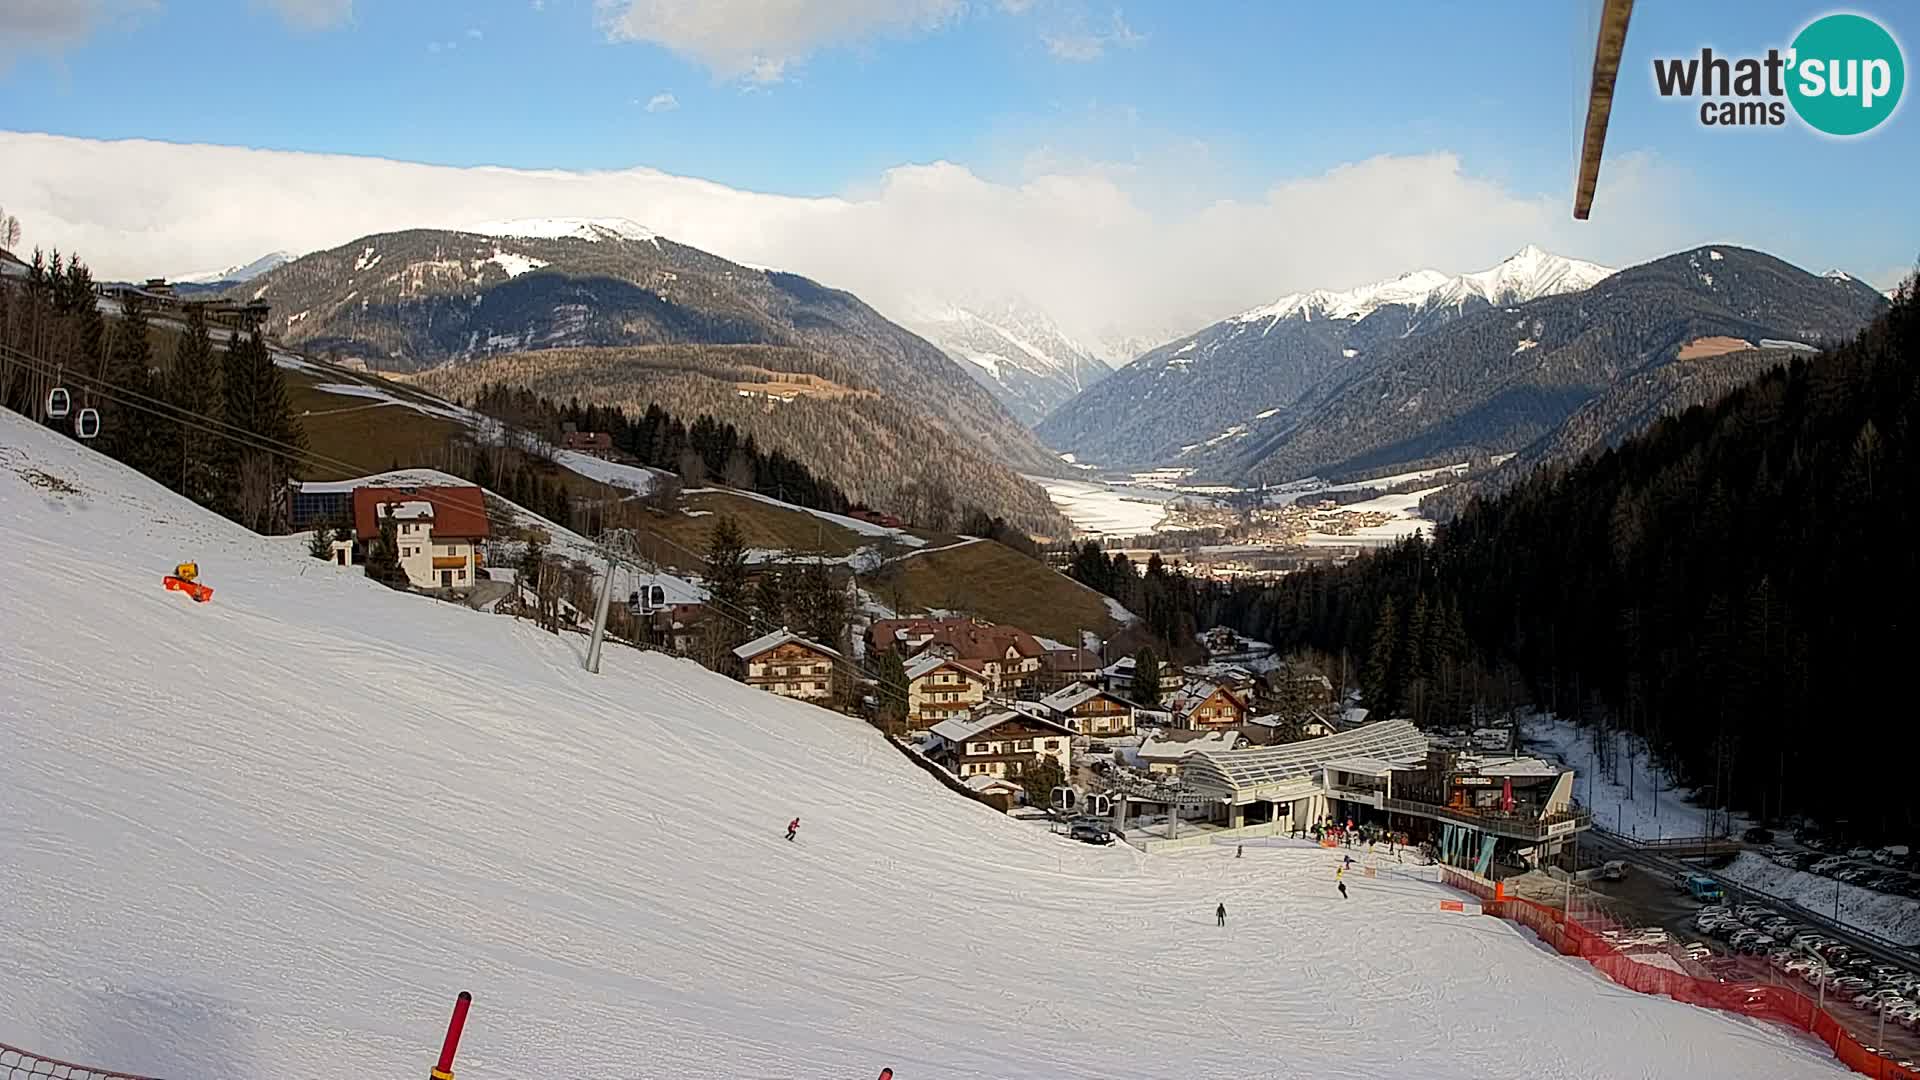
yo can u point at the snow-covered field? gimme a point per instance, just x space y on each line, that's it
274 834
1406 521
1641 815
1896 918
1105 510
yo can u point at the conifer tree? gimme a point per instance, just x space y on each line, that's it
1382 690
771 599
383 555
254 399
1146 679
320 544
727 582
193 386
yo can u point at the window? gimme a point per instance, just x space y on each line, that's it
1053 744
1023 745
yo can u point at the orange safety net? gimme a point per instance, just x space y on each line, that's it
1658 971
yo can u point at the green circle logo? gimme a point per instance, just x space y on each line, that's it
1847 74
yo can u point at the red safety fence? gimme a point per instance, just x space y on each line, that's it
17 1064
1660 972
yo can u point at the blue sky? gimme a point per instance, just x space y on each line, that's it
1182 105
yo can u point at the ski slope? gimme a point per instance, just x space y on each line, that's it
274 835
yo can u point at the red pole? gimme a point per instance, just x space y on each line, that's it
444 1070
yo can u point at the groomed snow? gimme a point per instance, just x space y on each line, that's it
635 478
274 834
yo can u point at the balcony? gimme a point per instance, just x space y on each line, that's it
1517 826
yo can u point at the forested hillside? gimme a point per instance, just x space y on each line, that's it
1737 584
869 445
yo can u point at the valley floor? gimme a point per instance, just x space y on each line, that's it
275 834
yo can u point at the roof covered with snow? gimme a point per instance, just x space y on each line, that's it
928 663
961 728
1075 695
1179 745
782 636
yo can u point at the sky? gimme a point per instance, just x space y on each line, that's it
1131 168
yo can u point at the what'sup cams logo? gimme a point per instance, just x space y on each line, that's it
1842 76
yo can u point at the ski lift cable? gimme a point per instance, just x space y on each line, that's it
172 413
164 410
744 618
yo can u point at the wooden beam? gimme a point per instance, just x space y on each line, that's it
1606 68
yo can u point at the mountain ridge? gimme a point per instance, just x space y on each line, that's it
421 298
1267 360
1017 352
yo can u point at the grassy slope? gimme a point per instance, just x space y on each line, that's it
997 583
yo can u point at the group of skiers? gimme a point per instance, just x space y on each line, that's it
1351 835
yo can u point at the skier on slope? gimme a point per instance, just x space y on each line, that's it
1348 863
1340 884
1220 915
793 827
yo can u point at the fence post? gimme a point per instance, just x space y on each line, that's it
444 1070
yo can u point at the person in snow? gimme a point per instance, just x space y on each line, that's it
1239 850
1220 915
1348 863
793 827
1343 889
886 1074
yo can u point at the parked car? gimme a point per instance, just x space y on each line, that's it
1849 984
1800 965
1698 951
1779 926
1752 913
1907 1016
1089 832
1613 870
1754 945
1758 835
1779 958
1874 1000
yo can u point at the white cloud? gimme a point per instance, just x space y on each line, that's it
662 102
475 33
313 14
442 46
760 39
1081 242
1083 45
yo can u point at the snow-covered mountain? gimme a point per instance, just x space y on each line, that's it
1015 351
1212 384
1528 274
247 272
568 228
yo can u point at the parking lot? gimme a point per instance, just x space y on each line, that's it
1650 899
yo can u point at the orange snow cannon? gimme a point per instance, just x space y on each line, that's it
183 579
